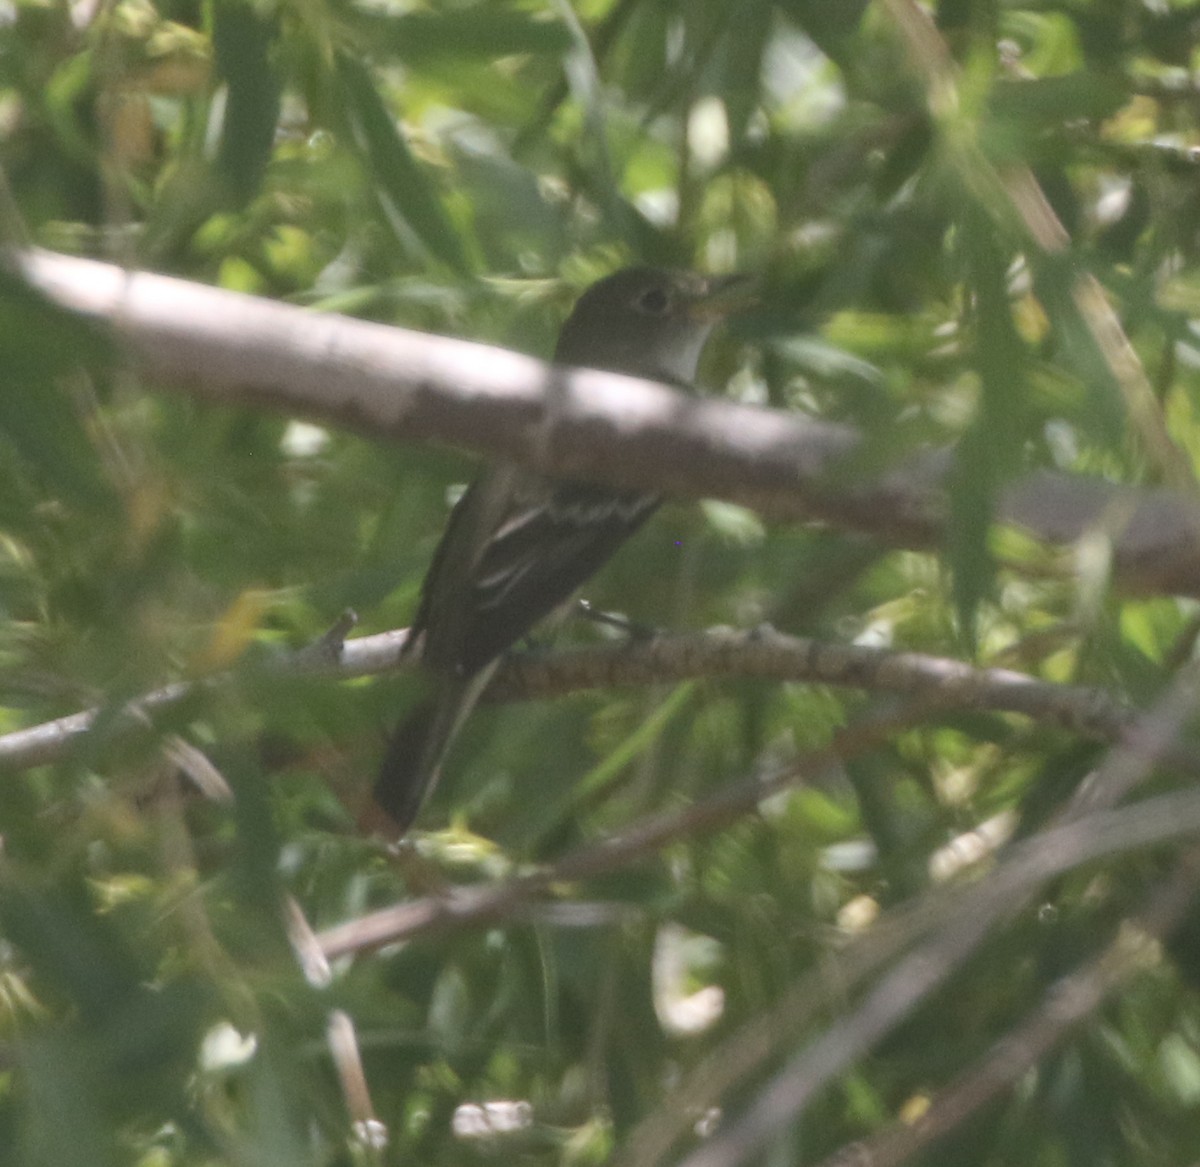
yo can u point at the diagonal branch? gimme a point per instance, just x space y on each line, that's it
1015 192
1065 1005
974 910
1089 829
459 907
394 384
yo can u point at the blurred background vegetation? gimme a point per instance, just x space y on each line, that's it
465 168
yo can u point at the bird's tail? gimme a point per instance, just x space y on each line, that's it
413 762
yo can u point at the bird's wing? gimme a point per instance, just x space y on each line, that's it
527 557
516 547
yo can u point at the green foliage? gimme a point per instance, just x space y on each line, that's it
465 168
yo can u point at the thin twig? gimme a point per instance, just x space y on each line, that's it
470 906
1075 840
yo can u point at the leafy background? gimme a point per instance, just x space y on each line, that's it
466 168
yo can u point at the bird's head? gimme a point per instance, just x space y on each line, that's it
646 322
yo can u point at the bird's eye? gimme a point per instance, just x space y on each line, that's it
654 302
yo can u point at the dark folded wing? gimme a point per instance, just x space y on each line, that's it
548 541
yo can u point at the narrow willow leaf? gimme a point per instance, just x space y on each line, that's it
409 202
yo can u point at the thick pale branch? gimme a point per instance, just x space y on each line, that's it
395 384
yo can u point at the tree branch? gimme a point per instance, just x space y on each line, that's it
1088 829
458 907
1069 1001
771 1033
391 383
945 685
976 908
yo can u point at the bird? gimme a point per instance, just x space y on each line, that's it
518 544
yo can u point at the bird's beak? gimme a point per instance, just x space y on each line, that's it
721 296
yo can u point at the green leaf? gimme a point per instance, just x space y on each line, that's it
1051 101
41 344
989 452
745 46
242 40
410 205
479 32
1106 417
830 23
